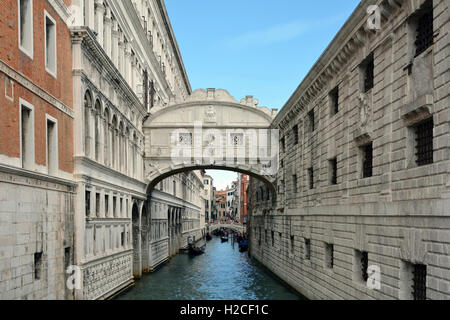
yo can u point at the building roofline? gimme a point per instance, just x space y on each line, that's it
173 41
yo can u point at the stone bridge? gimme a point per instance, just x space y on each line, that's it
211 130
237 227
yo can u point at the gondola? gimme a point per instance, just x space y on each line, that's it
243 245
208 237
224 239
195 251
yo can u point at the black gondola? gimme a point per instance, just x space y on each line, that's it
208 237
224 239
243 245
196 251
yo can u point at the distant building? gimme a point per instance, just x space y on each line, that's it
208 195
243 182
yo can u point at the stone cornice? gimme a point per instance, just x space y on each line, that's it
162 8
29 85
38 176
172 200
97 52
60 7
148 50
346 43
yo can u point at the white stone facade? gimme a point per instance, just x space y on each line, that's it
322 225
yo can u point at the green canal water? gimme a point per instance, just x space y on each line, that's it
222 273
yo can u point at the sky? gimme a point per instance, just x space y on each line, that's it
254 47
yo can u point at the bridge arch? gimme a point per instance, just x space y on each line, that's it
211 130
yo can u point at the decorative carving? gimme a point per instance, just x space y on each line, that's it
210 115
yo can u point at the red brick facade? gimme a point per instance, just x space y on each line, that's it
32 83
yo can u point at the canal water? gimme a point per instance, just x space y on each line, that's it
222 273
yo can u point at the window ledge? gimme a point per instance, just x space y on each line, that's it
418 110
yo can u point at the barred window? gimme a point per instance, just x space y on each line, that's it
333 171
367 160
294 183
88 203
311 178
295 132
329 255
311 121
362 265
424 31
307 249
424 142
334 101
367 69
420 282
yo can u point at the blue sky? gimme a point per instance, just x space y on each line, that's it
248 47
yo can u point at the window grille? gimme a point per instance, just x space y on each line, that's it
311 120
333 171
419 282
424 32
335 100
365 265
295 131
369 75
307 249
424 142
368 161
311 178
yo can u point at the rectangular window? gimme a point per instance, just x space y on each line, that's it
420 282
37 265
88 203
311 178
311 121
50 44
424 142
367 70
114 207
27 135
52 147
424 30
121 206
361 266
67 259
367 165
294 183
292 245
333 171
413 285
307 249
295 132
283 144
329 256
273 238
334 101
122 238
26 27
97 204
106 205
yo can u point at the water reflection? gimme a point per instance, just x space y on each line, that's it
222 273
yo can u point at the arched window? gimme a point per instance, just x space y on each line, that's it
87 125
98 112
127 149
106 138
121 147
114 142
135 150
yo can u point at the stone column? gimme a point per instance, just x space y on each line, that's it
127 63
89 14
107 32
121 53
133 73
115 44
99 13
